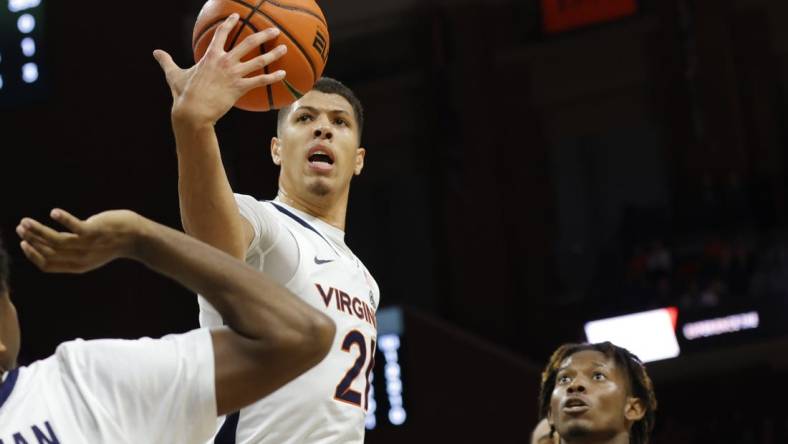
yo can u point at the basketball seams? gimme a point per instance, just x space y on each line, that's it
295 42
263 50
245 22
285 32
298 9
287 7
222 19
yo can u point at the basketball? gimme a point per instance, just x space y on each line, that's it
303 29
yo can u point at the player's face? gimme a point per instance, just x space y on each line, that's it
318 146
591 398
9 333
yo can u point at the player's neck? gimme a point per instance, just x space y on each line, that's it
331 209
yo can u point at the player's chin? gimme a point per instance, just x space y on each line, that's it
319 186
575 427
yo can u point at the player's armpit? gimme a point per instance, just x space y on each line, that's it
248 232
248 369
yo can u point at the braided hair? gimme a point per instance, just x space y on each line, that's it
640 384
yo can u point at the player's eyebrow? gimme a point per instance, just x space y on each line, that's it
314 110
595 364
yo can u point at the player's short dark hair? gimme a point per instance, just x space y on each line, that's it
639 381
332 86
3 268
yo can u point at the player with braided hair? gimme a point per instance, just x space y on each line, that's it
597 394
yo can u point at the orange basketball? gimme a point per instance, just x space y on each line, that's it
303 29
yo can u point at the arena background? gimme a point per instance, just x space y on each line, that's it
529 169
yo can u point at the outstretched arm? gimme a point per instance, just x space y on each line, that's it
274 336
201 95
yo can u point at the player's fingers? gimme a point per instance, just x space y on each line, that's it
262 60
220 36
254 41
33 255
50 264
25 233
165 61
47 234
59 265
262 80
39 243
43 248
68 220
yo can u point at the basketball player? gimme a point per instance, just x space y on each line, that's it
166 390
298 238
597 394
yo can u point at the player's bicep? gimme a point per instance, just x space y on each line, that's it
247 370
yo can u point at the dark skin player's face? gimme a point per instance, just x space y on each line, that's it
9 333
591 399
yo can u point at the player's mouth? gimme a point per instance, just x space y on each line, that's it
320 158
575 405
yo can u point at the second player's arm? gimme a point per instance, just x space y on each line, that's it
275 336
280 335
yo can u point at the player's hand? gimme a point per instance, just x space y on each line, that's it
85 246
207 90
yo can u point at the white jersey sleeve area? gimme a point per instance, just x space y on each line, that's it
266 227
273 250
146 390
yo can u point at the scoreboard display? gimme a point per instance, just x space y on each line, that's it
666 333
22 70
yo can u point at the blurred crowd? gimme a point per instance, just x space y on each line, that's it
720 409
720 254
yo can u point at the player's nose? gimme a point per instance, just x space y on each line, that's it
323 132
576 386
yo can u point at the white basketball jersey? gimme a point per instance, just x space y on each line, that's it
114 391
328 403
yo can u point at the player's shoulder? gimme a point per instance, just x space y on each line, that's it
252 201
249 205
71 349
96 350
103 356
31 372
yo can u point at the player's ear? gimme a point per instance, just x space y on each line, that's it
3 308
634 410
276 148
361 153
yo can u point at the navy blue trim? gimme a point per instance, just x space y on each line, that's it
227 432
8 385
306 225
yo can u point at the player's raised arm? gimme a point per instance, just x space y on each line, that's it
201 95
275 336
